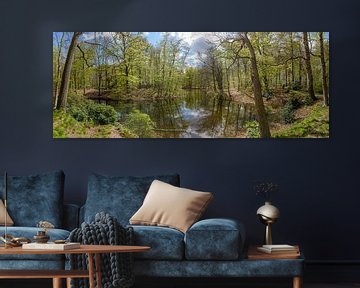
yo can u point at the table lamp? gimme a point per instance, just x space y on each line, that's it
268 214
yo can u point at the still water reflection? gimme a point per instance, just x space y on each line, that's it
194 115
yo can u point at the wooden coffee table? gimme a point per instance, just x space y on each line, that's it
57 275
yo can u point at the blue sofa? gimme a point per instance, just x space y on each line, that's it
210 248
32 199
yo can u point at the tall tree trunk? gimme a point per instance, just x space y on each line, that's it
309 73
292 58
323 68
259 104
228 81
127 85
300 67
214 79
245 73
238 75
64 86
58 69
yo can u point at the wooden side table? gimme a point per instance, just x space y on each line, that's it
254 254
92 251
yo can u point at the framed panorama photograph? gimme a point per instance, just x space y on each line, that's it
190 85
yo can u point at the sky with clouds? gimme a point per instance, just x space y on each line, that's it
197 41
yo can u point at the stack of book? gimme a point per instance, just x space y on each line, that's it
51 246
278 249
273 252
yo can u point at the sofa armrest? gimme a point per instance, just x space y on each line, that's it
71 216
215 239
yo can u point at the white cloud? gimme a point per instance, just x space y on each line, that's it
197 41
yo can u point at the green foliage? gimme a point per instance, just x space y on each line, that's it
308 101
79 112
140 124
102 114
87 110
124 131
252 129
65 126
287 112
315 125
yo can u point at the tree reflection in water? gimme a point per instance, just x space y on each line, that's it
195 115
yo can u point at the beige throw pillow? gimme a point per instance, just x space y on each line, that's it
9 221
170 206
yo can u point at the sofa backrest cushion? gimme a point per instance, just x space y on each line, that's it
35 198
118 195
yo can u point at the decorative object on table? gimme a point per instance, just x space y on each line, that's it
51 246
41 236
116 268
268 213
255 254
11 241
59 241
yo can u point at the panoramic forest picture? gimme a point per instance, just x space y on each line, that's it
190 85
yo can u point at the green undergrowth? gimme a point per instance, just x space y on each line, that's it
315 125
66 126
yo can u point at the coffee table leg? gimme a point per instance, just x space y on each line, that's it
57 283
91 270
68 282
98 270
297 282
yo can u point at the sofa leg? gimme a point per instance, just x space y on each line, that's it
297 282
57 283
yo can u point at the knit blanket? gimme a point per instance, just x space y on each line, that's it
116 268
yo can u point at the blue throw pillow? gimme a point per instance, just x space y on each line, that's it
119 196
35 198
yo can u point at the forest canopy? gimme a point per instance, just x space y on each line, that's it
190 84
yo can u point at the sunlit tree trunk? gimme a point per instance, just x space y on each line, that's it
259 104
323 68
65 79
310 78
58 68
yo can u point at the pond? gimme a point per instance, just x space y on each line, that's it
193 115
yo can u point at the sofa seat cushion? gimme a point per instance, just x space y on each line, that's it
214 239
29 232
35 198
166 243
119 196
213 269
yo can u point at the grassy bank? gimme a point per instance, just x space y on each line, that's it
309 123
87 119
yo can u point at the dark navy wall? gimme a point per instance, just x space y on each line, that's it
319 179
